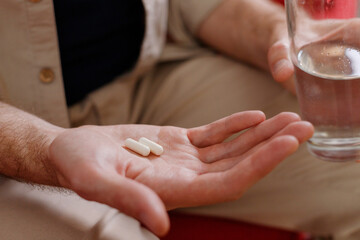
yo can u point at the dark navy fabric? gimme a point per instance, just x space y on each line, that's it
98 41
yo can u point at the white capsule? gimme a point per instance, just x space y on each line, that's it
155 148
137 147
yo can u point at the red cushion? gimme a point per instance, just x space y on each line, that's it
195 227
334 8
279 1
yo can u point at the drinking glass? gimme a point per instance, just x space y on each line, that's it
325 51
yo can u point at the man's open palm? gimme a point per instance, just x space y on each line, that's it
197 167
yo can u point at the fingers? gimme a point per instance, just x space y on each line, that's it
302 131
218 131
280 64
260 163
231 184
131 198
248 139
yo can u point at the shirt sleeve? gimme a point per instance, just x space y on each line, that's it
186 16
195 11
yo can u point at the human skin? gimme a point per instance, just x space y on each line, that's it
196 168
254 32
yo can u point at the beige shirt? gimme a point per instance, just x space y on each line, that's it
30 67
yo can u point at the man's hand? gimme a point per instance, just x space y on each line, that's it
197 167
280 65
254 32
309 31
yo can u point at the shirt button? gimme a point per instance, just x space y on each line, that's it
46 75
34 1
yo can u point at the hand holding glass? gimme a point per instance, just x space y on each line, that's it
325 50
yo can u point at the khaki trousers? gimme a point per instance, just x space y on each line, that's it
302 193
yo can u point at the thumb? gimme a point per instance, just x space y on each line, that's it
279 61
131 198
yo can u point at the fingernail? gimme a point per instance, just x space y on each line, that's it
281 65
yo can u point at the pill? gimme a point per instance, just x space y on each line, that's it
137 147
155 148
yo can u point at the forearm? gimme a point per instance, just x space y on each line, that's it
24 142
244 29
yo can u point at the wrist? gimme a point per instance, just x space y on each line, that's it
50 176
268 26
25 141
276 23
278 31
